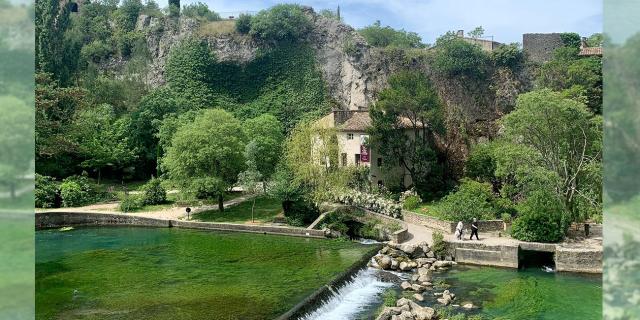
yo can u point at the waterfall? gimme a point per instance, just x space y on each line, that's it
351 299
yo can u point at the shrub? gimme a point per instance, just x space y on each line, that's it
300 213
439 247
379 36
72 194
456 57
46 192
390 296
243 24
95 51
506 217
411 203
508 56
280 22
472 199
200 11
481 164
130 203
76 191
542 218
153 192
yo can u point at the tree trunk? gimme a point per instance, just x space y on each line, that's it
99 175
221 202
253 206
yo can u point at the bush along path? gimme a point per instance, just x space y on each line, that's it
421 261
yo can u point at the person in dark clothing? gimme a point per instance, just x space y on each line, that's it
474 229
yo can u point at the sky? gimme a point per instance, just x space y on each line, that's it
505 20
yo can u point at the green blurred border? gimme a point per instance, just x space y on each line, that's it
621 74
17 57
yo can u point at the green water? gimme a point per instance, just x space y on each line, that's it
527 294
148 273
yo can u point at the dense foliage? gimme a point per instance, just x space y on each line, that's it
410 106
282 22
379 36
206 155
470 200
457 57
540 218
200 11
46 192
153 192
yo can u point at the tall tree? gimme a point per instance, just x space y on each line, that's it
266 134
250 178
16 141
206 155
405 123
565 138
52 20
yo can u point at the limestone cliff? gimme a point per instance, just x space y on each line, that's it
355 72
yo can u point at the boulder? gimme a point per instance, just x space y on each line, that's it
417 287
385 262
424 278
404 266
385 250
423 270
394 264
418 297
388 312
405 315
422 261
444 301
467 305
403 302
414 277
412 264
409 249
424 313
405 285
430 254
445 264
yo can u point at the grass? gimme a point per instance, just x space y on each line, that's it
431 209
175 200
265 210
215 28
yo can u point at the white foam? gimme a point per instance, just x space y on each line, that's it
352 298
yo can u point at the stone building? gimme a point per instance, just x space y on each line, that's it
586 51
486 44
539 47
352 137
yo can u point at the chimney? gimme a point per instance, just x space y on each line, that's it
460 33
583 42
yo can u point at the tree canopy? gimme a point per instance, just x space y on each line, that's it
379 36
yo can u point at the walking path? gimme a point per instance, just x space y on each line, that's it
171 213
419 233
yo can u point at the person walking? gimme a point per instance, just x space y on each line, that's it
474 229
459 230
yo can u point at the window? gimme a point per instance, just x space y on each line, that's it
344 159
349 136
379 162
357 159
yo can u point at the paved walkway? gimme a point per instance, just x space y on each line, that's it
170 213
419 233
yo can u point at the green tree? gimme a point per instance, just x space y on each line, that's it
282 22
174 8
243 24
508 56
563 136
102 139
200 11
251 178
476 33
52 20
379 36
265 133
206 155
405 122
457 57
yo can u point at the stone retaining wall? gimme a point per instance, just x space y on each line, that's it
431 222
578 260
487 255
450 226
62 219
323 293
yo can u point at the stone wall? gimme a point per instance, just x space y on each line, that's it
578 260
483 254
450 226
540 46
46 220
433 223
